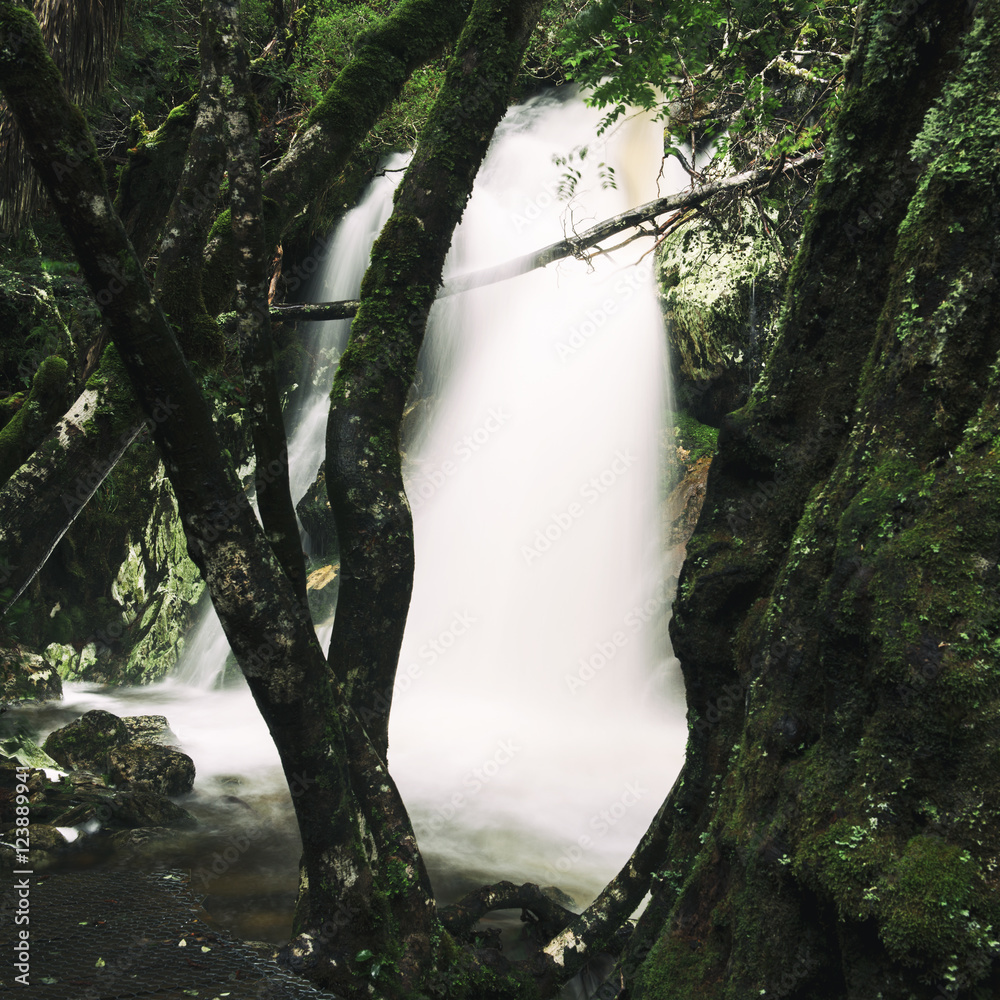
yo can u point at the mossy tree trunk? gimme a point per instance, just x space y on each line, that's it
834 832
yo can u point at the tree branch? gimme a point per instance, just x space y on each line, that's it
273 490
459 918
266 626
179 269
594 929
363 474
572 246
415 32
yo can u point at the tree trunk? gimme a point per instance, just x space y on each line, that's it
364 480
416 31
835 829
40 501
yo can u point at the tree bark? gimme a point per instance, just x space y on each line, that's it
416 31
273 490
179 268
266 626
365 891
42 499
838 607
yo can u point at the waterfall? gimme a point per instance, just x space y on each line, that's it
532 733
344 262
537 721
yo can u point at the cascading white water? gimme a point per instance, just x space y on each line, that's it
536 724
532 735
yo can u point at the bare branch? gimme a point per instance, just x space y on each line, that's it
573 246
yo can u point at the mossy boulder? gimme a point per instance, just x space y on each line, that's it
26 676
140 807
147 728
162 769
80 812
87 742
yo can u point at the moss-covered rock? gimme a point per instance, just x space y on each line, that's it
87 742
162 769
147 728
834 826
719 290
26 676
21 749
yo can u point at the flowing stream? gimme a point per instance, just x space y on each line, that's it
538 718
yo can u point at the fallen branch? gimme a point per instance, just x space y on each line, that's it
572 246
459 918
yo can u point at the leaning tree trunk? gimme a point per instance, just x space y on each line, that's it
267 627
363 474
835 832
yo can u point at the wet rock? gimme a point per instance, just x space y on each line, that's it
88 741
139 807
153 843
146 728
23 750
557 895
156 767
27 677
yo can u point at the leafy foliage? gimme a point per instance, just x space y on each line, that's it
722 70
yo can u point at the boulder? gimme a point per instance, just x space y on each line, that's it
87 742
137 807
146 728
27 677
162 769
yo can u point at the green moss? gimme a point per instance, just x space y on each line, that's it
45 404
697 438
680 967
928 893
